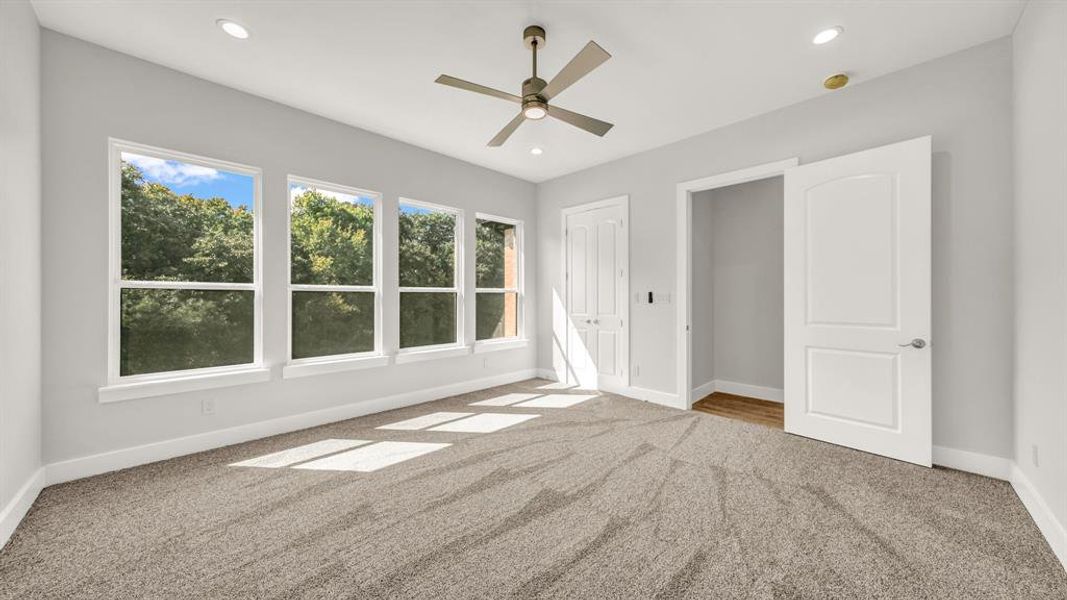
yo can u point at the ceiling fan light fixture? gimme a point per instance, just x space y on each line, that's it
535 110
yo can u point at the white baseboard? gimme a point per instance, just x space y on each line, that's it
630 391
96 464
996 467
1054 531
702 390
19 505
548 374
758 392
640 393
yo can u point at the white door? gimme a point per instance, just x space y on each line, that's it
596 279
857 301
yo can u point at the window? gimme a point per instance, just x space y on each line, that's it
185 292
334 273
498 280
430 296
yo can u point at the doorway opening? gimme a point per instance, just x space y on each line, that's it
704 191
737 301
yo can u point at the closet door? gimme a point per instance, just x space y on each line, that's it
581 300
857 301
596 297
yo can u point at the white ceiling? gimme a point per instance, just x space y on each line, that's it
678 68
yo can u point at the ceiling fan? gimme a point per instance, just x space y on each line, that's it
536 93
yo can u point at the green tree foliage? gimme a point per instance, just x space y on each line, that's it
427 259
490 252
332 240
168 237
489 273
332 243
172 237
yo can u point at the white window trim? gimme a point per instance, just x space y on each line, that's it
492 344
301 367
127 387
421 353
414 353
499 344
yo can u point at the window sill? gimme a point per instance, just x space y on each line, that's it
320 367
483 346
417 354
120 392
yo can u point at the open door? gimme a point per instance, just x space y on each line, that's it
857 301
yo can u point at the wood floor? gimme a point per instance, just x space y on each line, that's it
750 410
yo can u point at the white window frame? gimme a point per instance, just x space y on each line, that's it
123 387
299 367
519 290
436 350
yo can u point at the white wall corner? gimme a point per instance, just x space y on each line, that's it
19 505
996 467
1055 533
77 468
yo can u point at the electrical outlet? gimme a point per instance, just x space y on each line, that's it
637 371
1033 450
207 406
485 363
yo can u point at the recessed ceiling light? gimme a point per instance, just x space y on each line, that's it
234 29
536 151
827 35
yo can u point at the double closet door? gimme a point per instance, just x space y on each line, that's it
596 295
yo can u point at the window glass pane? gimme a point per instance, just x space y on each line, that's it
427 318
332 237
185 222
497 265
171 330
327 323
427 247
497 315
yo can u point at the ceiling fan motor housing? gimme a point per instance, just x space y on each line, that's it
534 34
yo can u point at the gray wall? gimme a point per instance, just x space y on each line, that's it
964 101
1040 44
20 247
89 94
745 266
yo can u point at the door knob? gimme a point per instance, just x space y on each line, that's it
596 321
588 321
917 343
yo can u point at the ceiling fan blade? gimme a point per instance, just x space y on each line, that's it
594 126
591 57
508 129
474 87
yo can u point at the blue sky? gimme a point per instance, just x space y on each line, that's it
408 209
196 180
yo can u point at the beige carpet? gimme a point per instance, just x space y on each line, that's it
610 498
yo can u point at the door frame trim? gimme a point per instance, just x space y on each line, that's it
623 201
683 234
